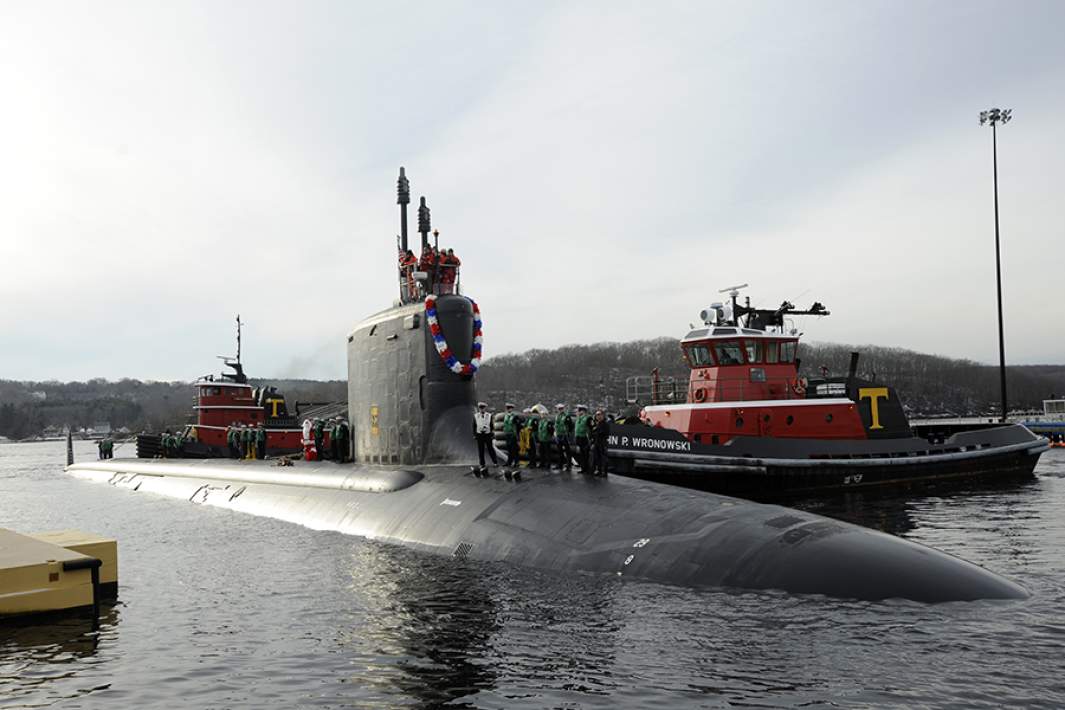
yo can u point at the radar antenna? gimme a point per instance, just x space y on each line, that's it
238 370
734 292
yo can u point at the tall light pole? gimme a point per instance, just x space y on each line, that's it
994 117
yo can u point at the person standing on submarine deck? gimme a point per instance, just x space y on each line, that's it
582 430
511 423
600 436
563 426
544 433
260 442
482 431
528 434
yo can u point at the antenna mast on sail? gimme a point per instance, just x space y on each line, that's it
238 338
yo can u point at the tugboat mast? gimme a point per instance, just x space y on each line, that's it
760 318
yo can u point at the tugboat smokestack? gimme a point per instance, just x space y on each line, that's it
852 371
403 199
424 227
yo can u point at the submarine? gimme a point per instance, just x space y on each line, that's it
411 396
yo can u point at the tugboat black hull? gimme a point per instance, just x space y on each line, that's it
774 469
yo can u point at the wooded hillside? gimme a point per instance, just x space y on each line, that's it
596 374
592 374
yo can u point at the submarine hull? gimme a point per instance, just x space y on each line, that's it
568 522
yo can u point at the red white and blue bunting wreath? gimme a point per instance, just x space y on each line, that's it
453 363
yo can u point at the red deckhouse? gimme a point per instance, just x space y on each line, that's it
744 382
230 399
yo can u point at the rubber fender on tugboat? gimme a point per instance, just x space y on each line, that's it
700 394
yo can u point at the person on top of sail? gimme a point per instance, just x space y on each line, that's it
449 264
407 264
427 264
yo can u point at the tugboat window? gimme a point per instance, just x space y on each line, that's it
787 351
771 351
699 356
754 350
729 352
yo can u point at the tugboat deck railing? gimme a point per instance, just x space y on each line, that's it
415 285
649 390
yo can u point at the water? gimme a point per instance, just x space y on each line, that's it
223 610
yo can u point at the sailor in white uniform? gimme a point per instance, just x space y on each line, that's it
482 431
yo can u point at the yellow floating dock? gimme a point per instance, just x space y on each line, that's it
102 548
55 571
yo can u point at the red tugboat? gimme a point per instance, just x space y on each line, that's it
747 423
229 400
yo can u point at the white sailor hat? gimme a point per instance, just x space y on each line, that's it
581 406
482 404
560 406
509 405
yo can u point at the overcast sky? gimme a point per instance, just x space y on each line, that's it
602 169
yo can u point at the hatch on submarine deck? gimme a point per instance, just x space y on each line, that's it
411 410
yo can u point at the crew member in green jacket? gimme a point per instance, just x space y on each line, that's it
582 430
344 439
245 442
563 428
334 440
319 433
544 433
510 433
260 442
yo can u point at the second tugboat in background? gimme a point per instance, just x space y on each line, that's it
747 423
229 401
